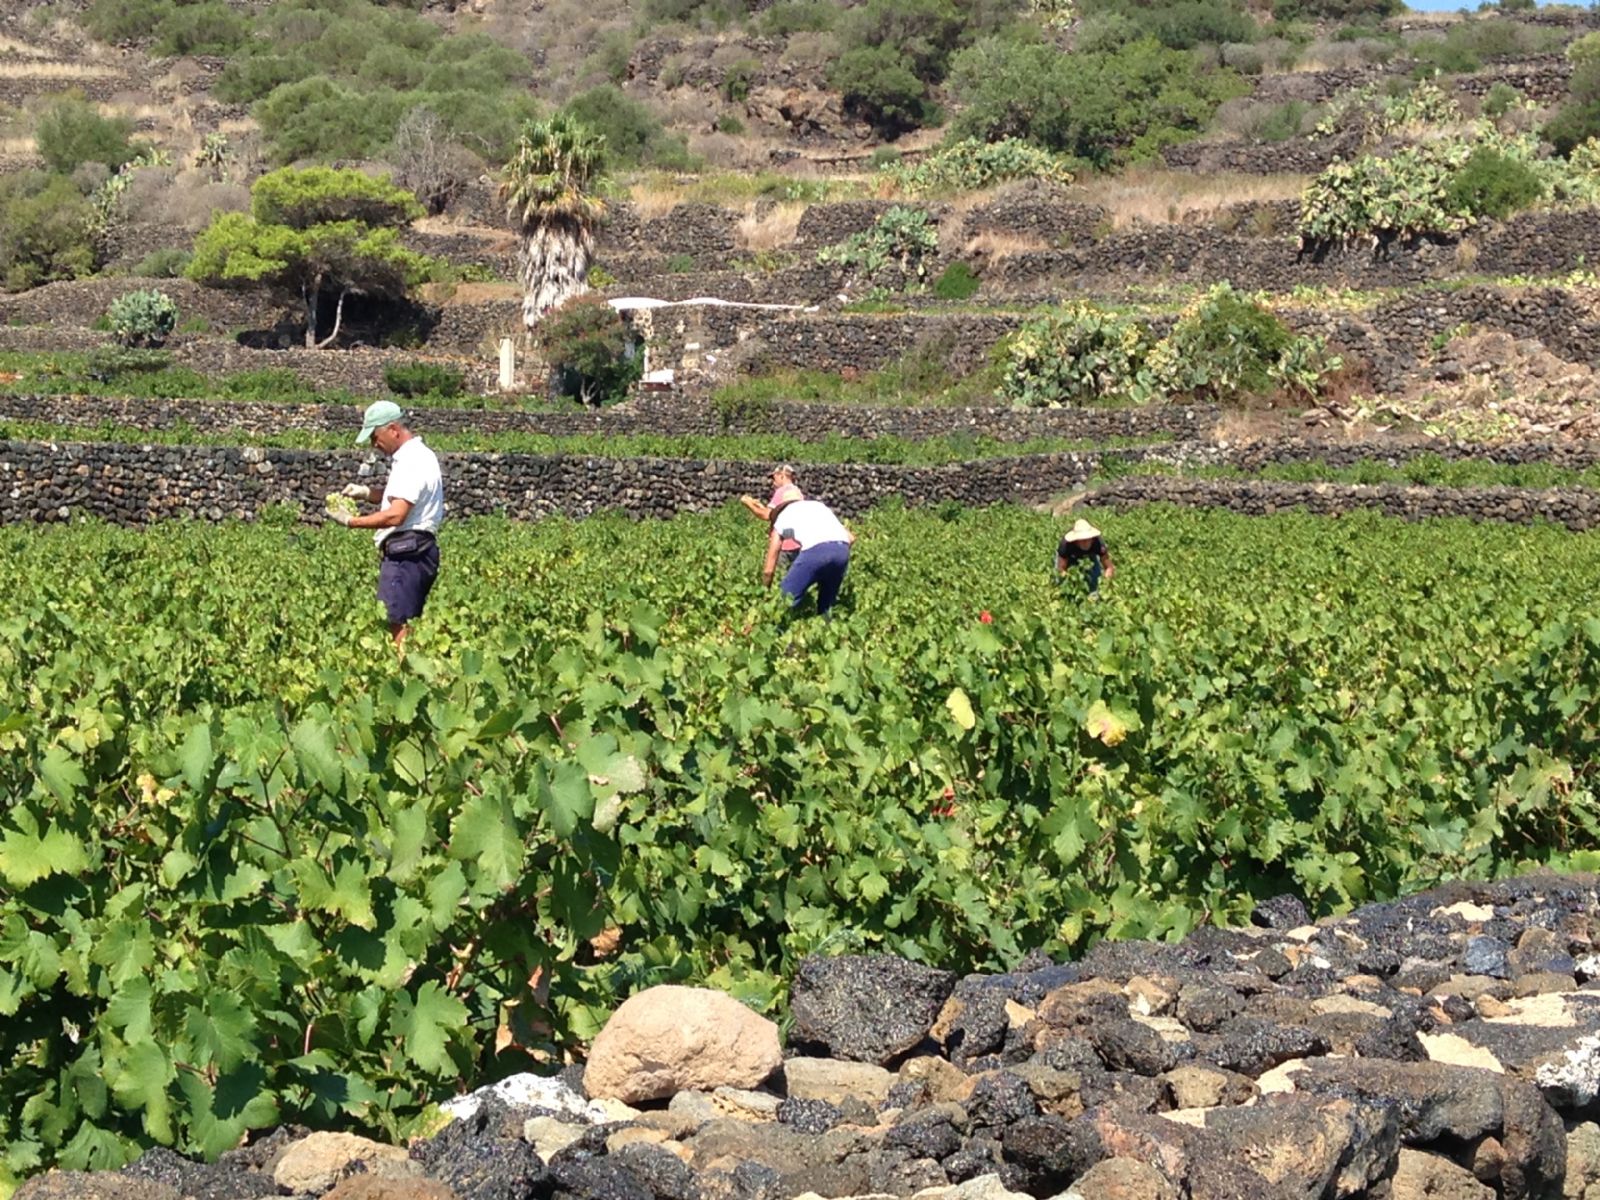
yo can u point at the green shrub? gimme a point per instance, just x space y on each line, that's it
1573 125
968 165
878 85
413 379
1181 25
1584 50
737 78
924 32
1079 354
1191 23
166 263
591 352
729 124
143 318
680 263
956 282
246 80
114 365
1493 184
1467 44
1446 57
1578 119
45 230
634 134
332 78
126 20
1281 122
72 132
1500 99
318 119
1382 199
1224 346
797 16
902 237
1378 113
1117 105
207 28
713 14
271 385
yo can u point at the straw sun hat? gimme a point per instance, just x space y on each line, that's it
1081 531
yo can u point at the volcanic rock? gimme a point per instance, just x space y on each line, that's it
870 1008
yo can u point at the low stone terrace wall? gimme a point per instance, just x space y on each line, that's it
643 414
1575 456
1539 244
1392 338
134 485
1576 508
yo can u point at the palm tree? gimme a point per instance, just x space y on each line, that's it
549 199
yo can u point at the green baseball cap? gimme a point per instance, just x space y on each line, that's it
379 413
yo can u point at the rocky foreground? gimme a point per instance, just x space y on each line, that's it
1446 1045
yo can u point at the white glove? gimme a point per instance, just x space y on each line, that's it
356 491
340 518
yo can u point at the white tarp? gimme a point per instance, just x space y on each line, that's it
631 303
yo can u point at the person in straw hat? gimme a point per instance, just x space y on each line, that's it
1083 544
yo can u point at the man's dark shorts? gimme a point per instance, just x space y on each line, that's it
406 574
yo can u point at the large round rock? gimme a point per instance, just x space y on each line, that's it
670 1039
867 1007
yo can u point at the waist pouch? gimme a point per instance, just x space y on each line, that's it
409 543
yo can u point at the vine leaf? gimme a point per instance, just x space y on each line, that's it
424 1024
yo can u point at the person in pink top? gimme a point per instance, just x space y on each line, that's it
784 491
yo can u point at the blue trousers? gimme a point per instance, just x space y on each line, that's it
824 565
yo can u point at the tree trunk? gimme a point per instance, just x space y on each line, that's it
338 315
553 265
308 300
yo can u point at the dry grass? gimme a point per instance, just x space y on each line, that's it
56 70
16 145
12 46
138 110
769 227
997 247
1156 197
654 198
1237 425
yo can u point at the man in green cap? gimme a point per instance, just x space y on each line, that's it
408 517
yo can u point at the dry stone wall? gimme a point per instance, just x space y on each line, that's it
133 485
1576 508
82 302
643 414
1532 244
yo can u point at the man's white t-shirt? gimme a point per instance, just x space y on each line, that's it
414 476
811 523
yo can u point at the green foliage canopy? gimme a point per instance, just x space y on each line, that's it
312 232
634 136
71 132
1120 105
589 347
45 230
